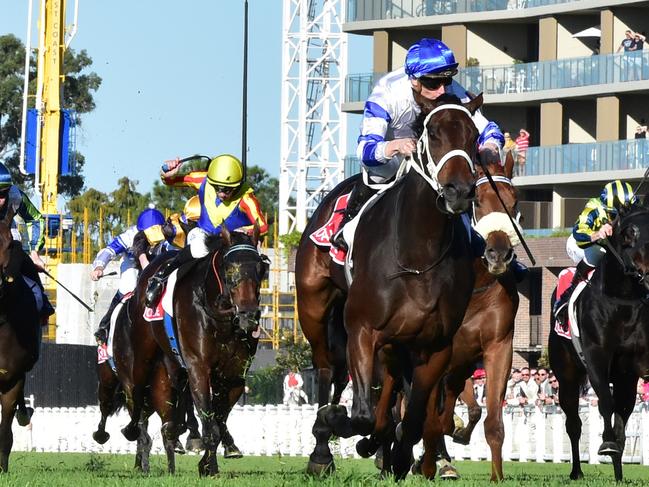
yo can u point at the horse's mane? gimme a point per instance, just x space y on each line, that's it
428 106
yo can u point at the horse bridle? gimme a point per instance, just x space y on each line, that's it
495 179
423 149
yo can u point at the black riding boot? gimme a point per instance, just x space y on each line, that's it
360 194
561 305
101 335
157 281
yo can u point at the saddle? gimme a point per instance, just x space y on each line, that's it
322 236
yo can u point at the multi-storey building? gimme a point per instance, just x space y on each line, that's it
551 67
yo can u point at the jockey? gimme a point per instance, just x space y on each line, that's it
135 244
225 199
11 197
387 133
592 226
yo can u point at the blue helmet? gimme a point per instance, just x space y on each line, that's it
149 218
430 57
5 177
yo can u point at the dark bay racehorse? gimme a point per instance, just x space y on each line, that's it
613 320
413 278
487 331
216 311
19 342
132 333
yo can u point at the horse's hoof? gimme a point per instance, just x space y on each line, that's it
448 472
378 462
609 448
178 448
416 468
576 475
460 437
232 452
366 447
100 437
320 469
25 416
131 432
194 444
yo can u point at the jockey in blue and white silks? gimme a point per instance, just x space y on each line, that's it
390 113
133 245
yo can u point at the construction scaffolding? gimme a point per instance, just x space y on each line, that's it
313 131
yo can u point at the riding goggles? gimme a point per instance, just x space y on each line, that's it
435 83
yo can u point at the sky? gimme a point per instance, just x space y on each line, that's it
171 85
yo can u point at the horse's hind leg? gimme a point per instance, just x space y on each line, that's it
143 450
462 434
570 378
337 339
8 400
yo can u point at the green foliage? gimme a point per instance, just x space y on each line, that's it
95 463
266 384
472 61
291 241
544 359
78 95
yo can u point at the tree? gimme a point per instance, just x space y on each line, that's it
125 205
266 189
78 95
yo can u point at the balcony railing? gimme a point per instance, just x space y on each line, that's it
581 158
571 158
532 77
359 10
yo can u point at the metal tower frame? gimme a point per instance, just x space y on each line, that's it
314 128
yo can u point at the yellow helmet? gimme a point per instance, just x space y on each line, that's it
192 209
225 170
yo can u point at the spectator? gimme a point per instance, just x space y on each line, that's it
347 396
641 132
510 145
643 391
628 43
528 385
479 386
544 386
515 395
293 393
553 397
638 41
522 143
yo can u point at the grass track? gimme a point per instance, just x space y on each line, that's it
79 469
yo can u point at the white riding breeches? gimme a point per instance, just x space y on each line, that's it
128 276
591 255
196 241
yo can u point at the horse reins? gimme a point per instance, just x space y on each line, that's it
518 232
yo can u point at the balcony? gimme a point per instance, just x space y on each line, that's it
361 10
553 163
530 78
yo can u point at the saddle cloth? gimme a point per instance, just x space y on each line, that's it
165 303
322 236
565 279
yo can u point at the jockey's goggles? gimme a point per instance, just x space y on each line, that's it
224 189
435 83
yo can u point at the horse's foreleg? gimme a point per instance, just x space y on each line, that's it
498 362
199 379
8 401
624 393
143 449
230 450
165 404
360 357
409 432
106 392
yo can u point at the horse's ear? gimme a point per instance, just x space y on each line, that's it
474 104
225 234
509 165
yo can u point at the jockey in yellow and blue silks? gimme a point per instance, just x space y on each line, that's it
225 199
138 242
592 226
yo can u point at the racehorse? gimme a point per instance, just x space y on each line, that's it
216 312
612 317
19 343
131 333
412 282
488 328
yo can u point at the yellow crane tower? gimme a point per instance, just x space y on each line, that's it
49 86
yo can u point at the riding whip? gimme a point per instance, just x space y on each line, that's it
518 232
71 293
